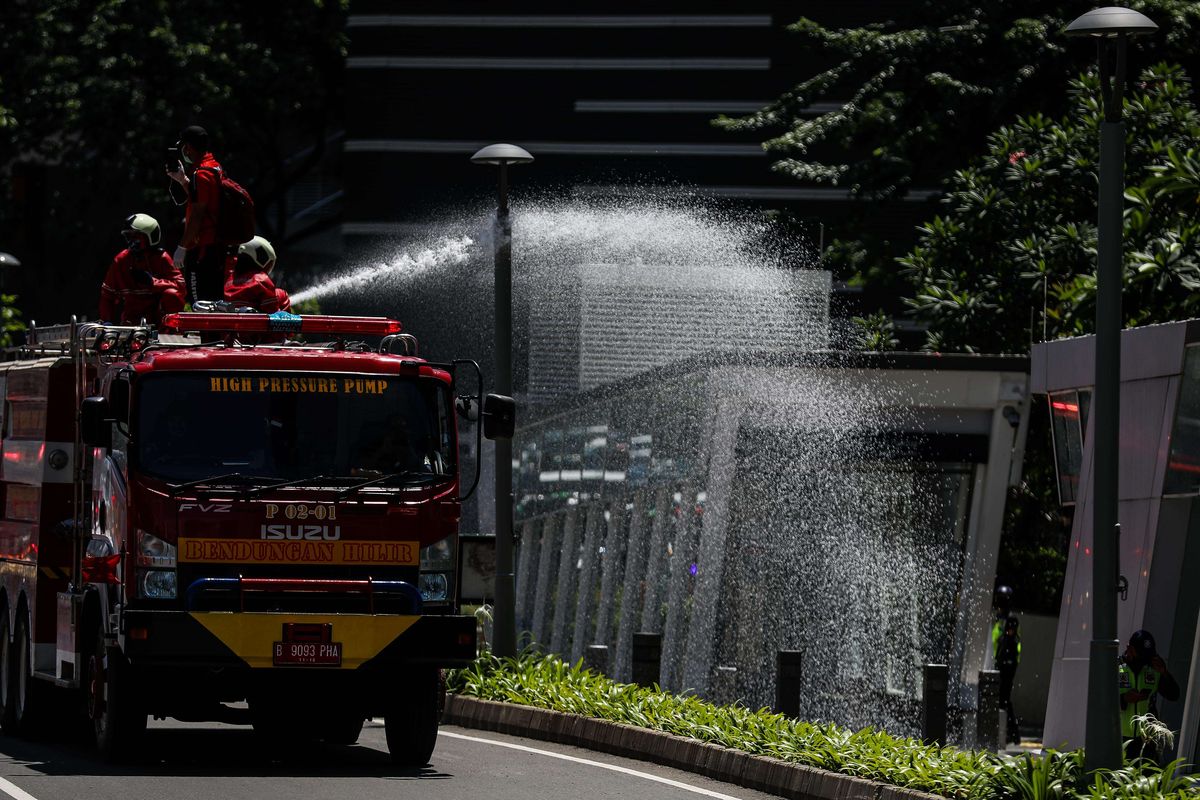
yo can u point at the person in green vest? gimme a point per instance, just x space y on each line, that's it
1143 678
1006 655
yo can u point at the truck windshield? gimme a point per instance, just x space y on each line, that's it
291 426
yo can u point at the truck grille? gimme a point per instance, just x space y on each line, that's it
303 595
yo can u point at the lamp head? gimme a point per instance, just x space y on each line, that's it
9 260
1111 22
497 154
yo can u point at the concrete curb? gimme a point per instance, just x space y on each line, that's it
765 774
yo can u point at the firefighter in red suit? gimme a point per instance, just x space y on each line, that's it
248 280
197 186
142 281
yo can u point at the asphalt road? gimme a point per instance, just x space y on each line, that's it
218 761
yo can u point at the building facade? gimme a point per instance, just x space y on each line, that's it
611 98
1158 513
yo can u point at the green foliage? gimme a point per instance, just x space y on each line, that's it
94 91
102 86
483 625
1150 729
915 99
1049 777
1019 225
875 333
1141 781
548 682
10 319
309 306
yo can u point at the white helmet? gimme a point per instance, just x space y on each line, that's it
260 252
145 225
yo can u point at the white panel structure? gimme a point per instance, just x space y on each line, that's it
1159 482
581 337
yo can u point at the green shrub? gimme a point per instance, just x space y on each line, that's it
545 681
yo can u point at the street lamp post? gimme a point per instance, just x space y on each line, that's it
1112 28
504 621
7 262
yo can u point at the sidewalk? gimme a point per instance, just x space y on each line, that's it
1031 743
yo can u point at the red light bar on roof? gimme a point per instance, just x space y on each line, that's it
281 322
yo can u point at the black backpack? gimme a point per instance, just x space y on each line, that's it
235 210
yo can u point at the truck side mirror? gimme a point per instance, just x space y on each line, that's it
499 416
468 408
95 422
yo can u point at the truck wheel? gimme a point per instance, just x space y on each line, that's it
343 729
118 719
28 693
411 723
8 711
276 722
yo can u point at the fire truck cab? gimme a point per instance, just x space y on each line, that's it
225 524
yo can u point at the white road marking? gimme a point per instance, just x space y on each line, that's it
624 770
14 791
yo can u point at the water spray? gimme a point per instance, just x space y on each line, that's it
447 252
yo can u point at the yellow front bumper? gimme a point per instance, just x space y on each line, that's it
226 638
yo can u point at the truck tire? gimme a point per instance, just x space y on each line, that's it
8 706
275 721
118 718
343 729
28 693
411 722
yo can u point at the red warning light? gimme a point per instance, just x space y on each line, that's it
281 323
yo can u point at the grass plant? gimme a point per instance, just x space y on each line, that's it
545 681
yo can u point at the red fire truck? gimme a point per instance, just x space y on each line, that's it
230 524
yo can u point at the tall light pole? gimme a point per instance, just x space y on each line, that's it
504 622
1112 27
7 262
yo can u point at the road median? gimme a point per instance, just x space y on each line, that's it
762 773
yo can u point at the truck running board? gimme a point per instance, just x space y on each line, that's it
50 677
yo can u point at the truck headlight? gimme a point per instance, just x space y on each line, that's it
157 584
436 580
154 552
434 586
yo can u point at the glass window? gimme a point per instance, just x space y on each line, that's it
1183 466
1068 443
530 461
1085 405
551 463
191 426
617 467
572 454
641 447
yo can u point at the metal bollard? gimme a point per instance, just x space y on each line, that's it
595 659
787 682
647 658
987 725
934 683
